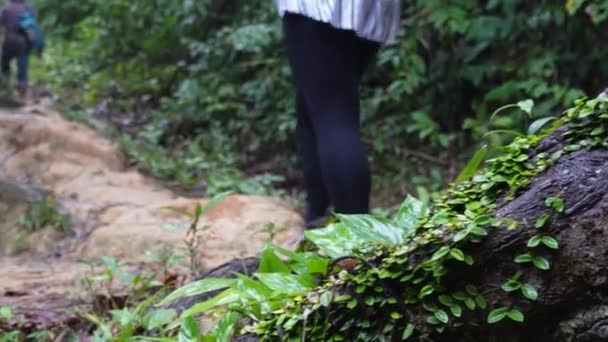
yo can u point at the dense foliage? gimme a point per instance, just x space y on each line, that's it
214 74
369 278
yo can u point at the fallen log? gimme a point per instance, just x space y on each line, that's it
517 253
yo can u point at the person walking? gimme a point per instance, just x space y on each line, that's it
329 45
16 45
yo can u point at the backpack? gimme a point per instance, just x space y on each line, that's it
30 28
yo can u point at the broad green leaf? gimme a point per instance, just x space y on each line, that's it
159 318
515 315
541 263
229 296
190 330
288 284
550 242
255 290
497 315
271 263
373 229
317 265
198 287
303 262
335 240
407 332
473 165
537 125
225 328
529 291
526 106
411 212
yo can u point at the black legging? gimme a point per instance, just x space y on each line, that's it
327 65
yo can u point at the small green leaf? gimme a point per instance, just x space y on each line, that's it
555 203
352 304
542 221
511 286
370 301
326 299
516 315
541 263
460 296
529 291
456 310
470 303
481 302
550 242
443 251
446 300
442 316
425 291
472 290
433 320
457 254
534 241
407 333
469 260
479 231
524 258
395 315
497 315
473 165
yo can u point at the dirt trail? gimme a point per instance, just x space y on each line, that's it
116 211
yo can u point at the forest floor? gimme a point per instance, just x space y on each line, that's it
115 211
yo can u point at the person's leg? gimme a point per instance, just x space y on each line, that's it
317 200
6 62
326 67
22 72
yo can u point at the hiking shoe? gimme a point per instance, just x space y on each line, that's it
22 91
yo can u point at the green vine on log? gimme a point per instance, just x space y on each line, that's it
385 297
